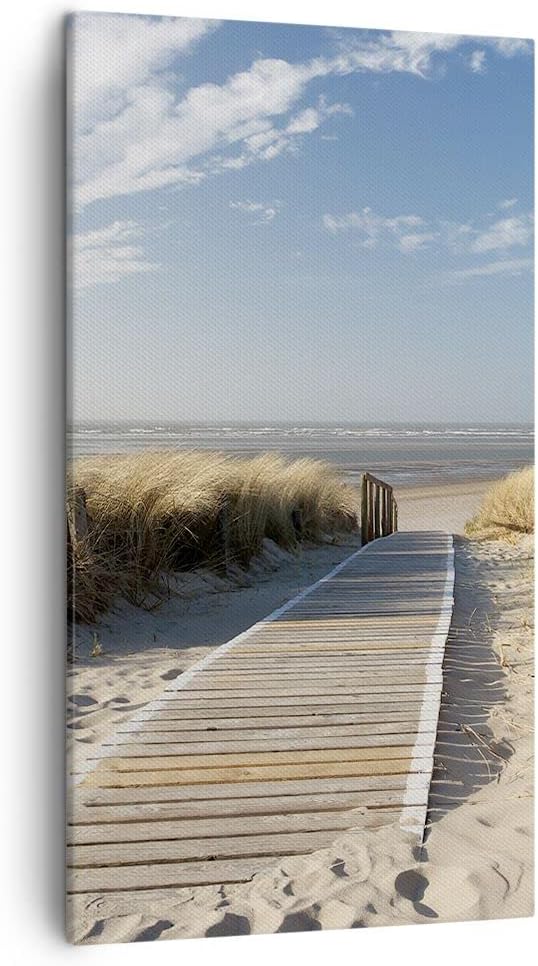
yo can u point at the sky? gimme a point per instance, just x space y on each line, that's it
278 223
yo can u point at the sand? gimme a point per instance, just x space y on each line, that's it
477 859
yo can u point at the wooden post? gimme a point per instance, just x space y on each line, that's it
223 530
364 510
377 511
77 516
297 521
382 511
370 511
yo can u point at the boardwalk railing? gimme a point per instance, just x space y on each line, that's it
379 510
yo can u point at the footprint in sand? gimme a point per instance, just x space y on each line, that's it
171 674
339 869
153 931
412 885
452 889
230 925
299 922
82 700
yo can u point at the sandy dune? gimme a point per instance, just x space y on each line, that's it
477 858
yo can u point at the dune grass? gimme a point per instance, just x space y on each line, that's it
507 510
154 513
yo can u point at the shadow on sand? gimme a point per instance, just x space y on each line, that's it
467 756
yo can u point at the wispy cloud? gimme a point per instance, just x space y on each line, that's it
507 203
108 254
409 244
374 229
263 213
477 61
504 234
511 46
412 235
506 46
505 266
134 132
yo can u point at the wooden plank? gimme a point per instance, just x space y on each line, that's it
353 702
274 715
367 710
226 678
292 663
165 875
319 719
148 731
263 790
195 850
211 746
307 690
105 778
285 821
318 684
232 759
412 645
377 481
100 816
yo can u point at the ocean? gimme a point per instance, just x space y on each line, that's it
403 455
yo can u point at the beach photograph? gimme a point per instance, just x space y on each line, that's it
299 508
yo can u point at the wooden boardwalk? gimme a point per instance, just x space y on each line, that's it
319 719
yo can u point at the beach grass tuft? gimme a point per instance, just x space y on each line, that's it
154 513
507 510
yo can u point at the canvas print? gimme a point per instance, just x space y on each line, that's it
299 502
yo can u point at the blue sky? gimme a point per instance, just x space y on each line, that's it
275 222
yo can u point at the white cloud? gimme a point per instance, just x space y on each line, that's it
305 122
108 254
135 132
456 239
111 53
507 203
401 51
504 234
264 213
374 229
506 266
408 244
477 61
511 46
156 140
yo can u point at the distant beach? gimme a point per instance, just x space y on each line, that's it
407 455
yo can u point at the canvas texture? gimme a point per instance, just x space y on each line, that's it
300 484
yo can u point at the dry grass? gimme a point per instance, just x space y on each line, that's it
153 513
507 509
